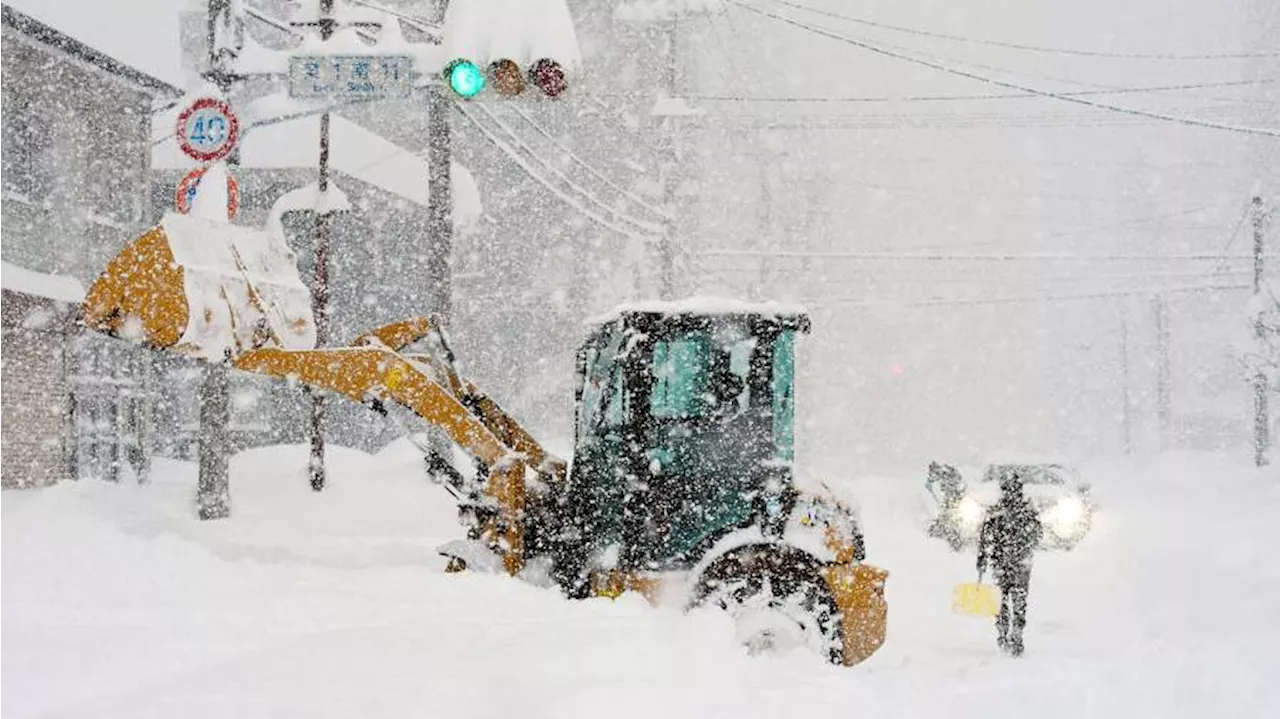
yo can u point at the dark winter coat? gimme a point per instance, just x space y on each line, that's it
1009 536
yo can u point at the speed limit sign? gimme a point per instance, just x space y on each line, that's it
208 130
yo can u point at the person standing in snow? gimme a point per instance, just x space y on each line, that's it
1009 537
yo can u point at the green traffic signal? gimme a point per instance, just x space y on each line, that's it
465 78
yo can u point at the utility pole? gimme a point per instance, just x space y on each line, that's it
320 287
213 491
439 202
1126 422
670 159
1164 403
1261 415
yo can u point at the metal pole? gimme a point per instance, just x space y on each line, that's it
1164 402
1261 414
320 288
1127 417
439 202
213 492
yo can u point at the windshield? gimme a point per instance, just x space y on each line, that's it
702 374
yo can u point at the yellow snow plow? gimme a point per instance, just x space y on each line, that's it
682 486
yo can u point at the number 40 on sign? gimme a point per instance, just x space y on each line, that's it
207 130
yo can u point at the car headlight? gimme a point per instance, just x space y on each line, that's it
1067 512
970 510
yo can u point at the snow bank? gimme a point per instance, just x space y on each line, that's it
118 603
38 284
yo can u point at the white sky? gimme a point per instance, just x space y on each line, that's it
140 33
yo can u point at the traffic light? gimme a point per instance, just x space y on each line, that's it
464 78
505 77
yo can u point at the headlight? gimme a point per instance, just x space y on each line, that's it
1067 512
970 510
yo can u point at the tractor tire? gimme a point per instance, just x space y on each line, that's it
777 600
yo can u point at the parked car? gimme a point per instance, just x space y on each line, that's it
960 502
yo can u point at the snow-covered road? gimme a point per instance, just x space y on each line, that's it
116 602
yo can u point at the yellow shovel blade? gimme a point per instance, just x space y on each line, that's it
975 599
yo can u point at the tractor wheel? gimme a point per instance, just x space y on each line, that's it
777 603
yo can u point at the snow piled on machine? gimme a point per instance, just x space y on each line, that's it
119 603
699 305
237 280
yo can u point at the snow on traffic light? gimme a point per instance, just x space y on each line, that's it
508 48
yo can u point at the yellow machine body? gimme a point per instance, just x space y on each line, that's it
228 294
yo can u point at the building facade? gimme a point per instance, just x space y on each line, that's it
76 135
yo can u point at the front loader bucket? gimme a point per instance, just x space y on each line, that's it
221 292
206 289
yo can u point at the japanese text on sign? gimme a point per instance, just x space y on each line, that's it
327 76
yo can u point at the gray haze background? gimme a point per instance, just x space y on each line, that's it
883 385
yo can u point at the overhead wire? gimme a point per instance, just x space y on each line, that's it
963 98
640 224
1001 83
1235 233
639 201
960 257
1022 46
532 172
1029 299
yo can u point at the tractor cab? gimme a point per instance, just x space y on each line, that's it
684 430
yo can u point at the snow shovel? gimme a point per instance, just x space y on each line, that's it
975 599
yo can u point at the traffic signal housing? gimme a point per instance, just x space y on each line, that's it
505 77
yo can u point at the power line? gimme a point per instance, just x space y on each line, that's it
583 164
532 172
1028 299
962 98
1029 48
1001 83
950 257
1244 213
639 224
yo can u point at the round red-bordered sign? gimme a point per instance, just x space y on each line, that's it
187 192
208 130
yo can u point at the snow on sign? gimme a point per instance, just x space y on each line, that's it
208 130
330 76
187 192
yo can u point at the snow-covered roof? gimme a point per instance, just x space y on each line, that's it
142 34
54 287
520 30
702 306
353 150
